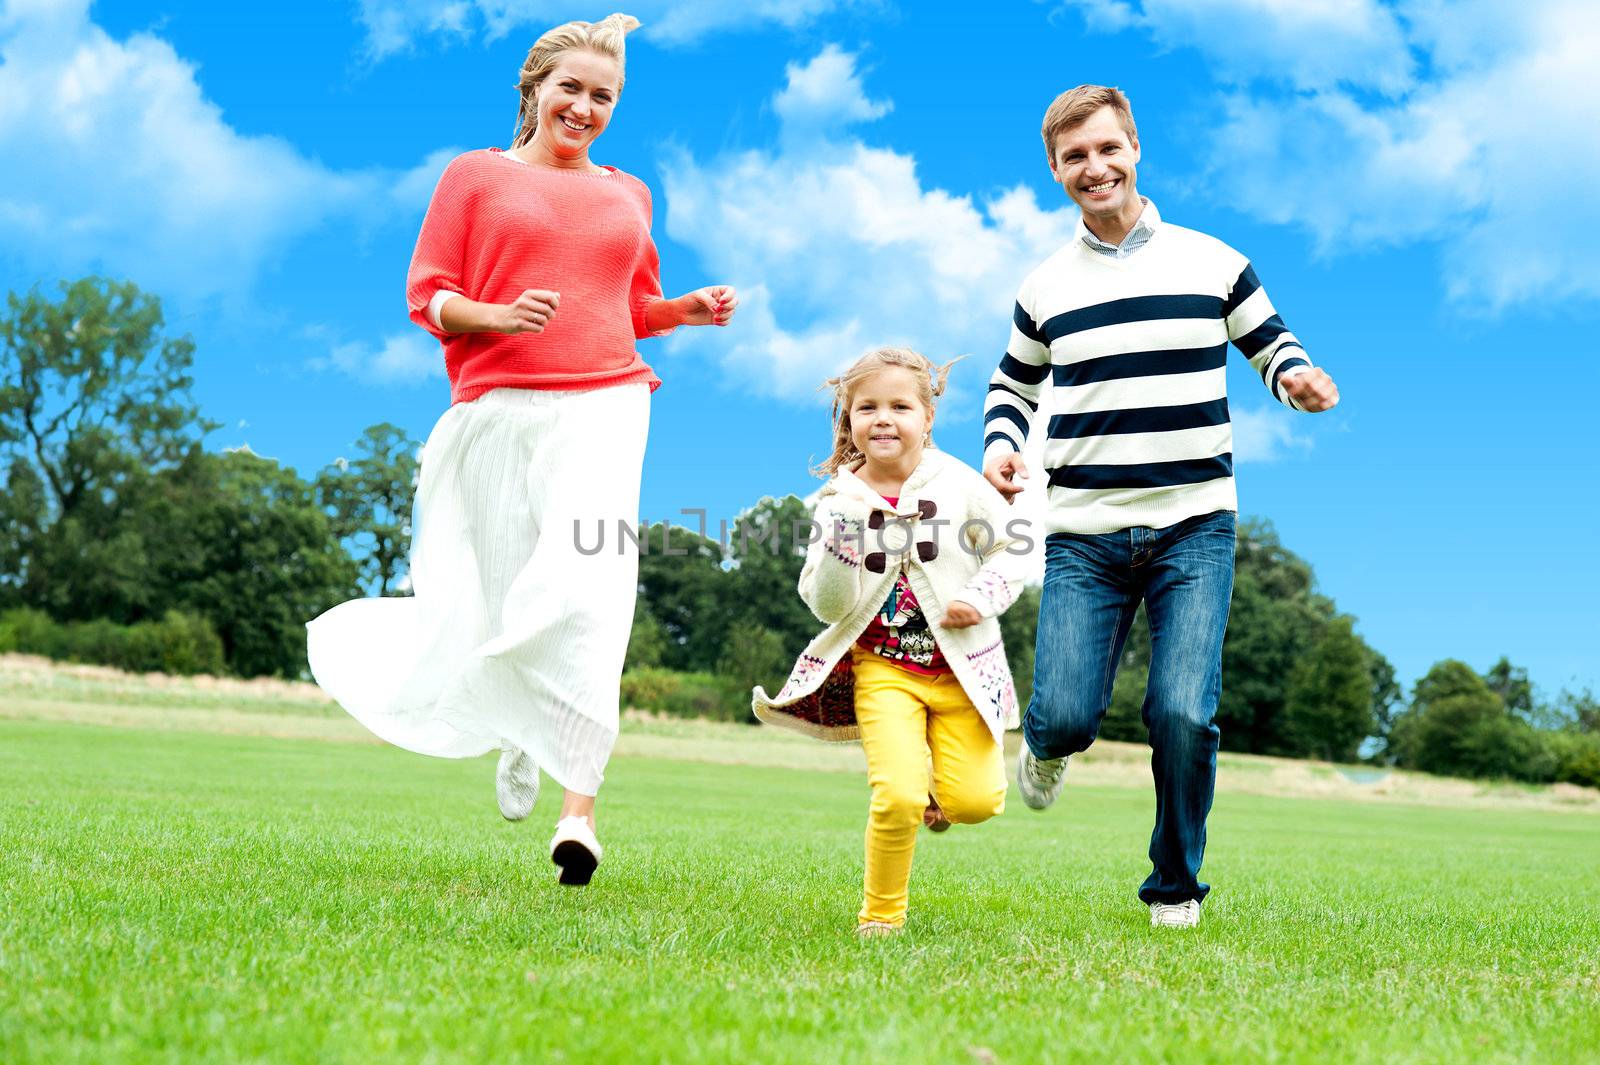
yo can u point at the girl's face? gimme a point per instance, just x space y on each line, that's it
575 103
888 421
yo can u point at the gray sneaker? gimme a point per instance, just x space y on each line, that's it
516 784
1040 779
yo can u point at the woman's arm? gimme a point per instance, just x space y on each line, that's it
704 306
529 313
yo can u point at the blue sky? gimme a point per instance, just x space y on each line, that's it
1413 182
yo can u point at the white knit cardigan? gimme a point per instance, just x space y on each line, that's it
950 533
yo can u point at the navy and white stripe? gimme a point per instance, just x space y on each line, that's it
1134 350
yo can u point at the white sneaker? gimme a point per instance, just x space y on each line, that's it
516 783
1175 914
575 850
1040 779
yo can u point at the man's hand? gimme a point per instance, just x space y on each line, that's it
1312 389
959 615
529 313
1000 471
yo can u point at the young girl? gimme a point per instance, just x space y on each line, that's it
911 564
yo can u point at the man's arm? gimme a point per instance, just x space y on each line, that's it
1012 401
1275 353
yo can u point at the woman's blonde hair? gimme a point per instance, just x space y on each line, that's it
930 385
603 38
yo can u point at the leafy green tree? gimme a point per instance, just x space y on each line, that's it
681 583
647 642
757 656
249 549
760 588
1457 725
1581 709
1387 700
1124 718
1328 709
1512 685
368 502
94 399
1277 617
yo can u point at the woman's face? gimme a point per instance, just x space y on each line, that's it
575 103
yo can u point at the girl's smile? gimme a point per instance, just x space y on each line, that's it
888 422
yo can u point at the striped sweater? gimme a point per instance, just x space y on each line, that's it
1135 350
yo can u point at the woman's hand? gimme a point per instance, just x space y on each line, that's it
709 306
959 615
529 313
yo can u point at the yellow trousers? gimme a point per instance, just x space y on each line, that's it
904 718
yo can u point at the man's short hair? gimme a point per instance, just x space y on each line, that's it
1074 107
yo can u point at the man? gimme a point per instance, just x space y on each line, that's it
1130 323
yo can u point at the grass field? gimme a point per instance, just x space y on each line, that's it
174 893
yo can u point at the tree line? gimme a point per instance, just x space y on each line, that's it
124 540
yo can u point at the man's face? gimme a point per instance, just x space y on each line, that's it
1095 162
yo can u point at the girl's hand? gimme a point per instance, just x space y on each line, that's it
529 313
709 306
959 615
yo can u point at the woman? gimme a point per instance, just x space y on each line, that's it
536 270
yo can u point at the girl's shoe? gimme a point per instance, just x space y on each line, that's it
934 817
575 850
516 783
876 929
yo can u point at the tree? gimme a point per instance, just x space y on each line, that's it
1460 726
680 581
1276 619
248 548
1387 696
368 502
647 642
1328 708
1512 685
95 399
756 655
760 589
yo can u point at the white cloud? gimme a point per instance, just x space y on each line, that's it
1312 44
396 25
1266 434
1486 147
837 246
401 359
826 90
117 161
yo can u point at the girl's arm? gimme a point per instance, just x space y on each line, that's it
1005 554
831 580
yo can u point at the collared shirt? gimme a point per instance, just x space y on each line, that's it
1143 229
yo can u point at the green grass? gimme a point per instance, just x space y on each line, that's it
180 896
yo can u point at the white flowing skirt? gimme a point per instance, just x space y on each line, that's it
518 626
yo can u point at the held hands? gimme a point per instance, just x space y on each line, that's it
1001 470
708 306
959 615
529 313
1311 388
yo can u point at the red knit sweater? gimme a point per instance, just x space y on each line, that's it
497 226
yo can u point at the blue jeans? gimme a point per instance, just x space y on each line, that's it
1092 587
